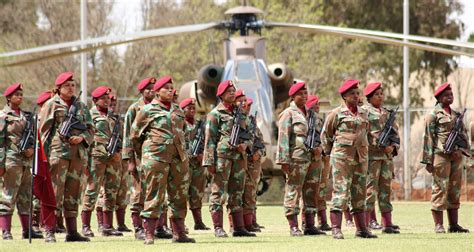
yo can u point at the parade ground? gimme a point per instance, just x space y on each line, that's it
414 219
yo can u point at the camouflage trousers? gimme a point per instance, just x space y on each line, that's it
197 183
295 179
66 177
137 191
121 199
379 180
165 178
323 185
15 190
254 170
446 187
311 188
349 183
104 174
228 180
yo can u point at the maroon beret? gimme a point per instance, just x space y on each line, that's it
101 91
145 82
296 87
62 78
312 99
442 88
12 88
348 84
43 97
175 92
162 81
371 87
239 93
223 86
186 102
249 101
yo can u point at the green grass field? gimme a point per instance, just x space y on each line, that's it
413 217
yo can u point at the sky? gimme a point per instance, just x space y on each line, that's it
127 15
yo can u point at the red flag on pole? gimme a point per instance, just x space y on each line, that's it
43 187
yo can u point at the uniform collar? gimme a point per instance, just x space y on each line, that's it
294 107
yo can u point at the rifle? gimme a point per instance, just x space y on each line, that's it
388 135
33 120
455 138
197 146
257 144
71 121
114 142
314 136
237 134
27 140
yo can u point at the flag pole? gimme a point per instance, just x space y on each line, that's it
33 174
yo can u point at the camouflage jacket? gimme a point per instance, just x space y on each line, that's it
344 134
127 148
219 123
104 125
292 133
11 130
53 114
155 128
258 133
438 125
377 119
190 132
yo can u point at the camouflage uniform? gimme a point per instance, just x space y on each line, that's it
157 136
104 172
447 171
137 191
254 171
68 162
344 137
381 169
292 133
16 181
230 167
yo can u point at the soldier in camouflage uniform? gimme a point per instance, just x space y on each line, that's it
471 130
445 168
157 136
380 174
344 137
105 170
227 164
67 155
137 193
198 173
15 174
311 197
254 171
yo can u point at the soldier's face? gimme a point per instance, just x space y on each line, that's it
352 96
377 98
16 98
447 97
166 93
241 100
301 97
190 111
316 107
67 90
148 93
229 95
103 102
112 105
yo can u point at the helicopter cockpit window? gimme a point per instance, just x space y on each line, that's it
245 71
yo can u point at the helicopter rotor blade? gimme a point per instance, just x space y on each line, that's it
79 46
329 30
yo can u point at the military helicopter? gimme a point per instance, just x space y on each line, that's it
244 57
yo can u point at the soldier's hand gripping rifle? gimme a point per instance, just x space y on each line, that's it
114 142
197 146
257 141
27 140
71 121
314 136
455 137
389 136
237 134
